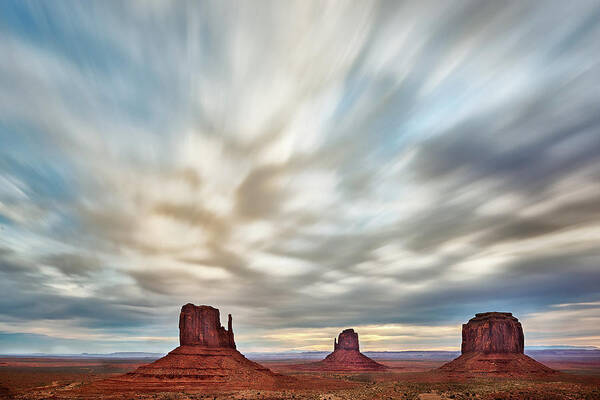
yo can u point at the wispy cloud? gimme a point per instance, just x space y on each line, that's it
306 166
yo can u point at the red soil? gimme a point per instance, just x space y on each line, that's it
406 379
200 367
344 360
496 363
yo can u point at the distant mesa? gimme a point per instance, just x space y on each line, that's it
493 343
207 357
346 356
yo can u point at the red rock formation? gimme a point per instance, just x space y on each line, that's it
493 332
201 325
348 340
345 357
206 358
493 343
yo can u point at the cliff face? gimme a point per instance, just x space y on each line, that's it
347 340
493 343
206 358
201 325
492 332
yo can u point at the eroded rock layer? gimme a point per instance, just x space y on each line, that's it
347 340
206 358
496 363
345 357
200 366
492 332
201 325
493 343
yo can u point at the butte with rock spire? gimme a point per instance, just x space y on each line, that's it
493 343
346 356
206 357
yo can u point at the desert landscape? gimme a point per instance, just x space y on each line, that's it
58 378
208 365
299 199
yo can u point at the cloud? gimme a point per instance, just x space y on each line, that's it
72 264
305 166
259 194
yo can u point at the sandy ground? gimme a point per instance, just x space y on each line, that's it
47 378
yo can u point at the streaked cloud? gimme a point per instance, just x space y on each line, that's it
306 166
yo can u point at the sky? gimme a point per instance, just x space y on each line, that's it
307 166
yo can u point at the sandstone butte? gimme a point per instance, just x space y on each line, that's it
206 358
493 343
346 356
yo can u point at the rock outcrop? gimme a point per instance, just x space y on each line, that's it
347 340
346 356
493 343
493 332
206 358
201 325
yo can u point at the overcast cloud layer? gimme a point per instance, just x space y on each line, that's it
307 166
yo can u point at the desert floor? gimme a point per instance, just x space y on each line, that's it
68 378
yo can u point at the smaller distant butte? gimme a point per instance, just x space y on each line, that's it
346 356
493 343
